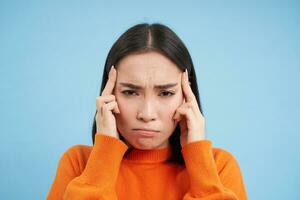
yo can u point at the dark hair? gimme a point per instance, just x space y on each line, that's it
153 37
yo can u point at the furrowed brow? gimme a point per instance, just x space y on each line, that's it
137 87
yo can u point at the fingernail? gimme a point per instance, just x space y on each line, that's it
114 69
110 71
186 73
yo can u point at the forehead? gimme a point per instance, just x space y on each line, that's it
147 67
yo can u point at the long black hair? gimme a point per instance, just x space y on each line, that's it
153 37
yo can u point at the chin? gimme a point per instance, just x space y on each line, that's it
144 148
145 145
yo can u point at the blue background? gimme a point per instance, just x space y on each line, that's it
247 59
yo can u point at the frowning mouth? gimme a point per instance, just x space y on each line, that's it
145 132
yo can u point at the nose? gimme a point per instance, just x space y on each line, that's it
146 111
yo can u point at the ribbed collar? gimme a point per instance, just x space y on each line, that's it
148 156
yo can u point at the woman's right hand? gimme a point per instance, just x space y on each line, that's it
106 104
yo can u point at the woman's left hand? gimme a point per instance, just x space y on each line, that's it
191 121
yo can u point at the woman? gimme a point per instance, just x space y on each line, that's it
149 130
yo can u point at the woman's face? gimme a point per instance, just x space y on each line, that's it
142 103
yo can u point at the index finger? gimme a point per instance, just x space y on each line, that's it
110 84
187 90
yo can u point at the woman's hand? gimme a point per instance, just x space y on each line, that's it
191 121
106 104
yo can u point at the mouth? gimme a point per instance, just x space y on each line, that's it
146 132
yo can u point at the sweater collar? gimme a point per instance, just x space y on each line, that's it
148 156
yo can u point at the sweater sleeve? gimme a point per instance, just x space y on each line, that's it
97 180
206 183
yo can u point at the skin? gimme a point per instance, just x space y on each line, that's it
147 107
123 108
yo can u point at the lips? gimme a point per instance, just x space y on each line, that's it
146 129
146 132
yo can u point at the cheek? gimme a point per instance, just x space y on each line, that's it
172 107
121 104
126 108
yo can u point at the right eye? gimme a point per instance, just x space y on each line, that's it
128 92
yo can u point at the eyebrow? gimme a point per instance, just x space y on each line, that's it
137 87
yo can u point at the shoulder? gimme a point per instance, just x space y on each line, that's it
79 151
224 159
221 153
76 157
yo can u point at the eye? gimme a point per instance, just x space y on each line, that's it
128 92
167 93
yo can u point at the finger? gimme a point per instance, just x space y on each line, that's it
107 108
189 115
178 114
183 105
112 77
116 109
101 100
177 117
189 96
187 90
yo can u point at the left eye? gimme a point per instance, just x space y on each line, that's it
166 93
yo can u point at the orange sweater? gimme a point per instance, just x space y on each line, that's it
105 172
